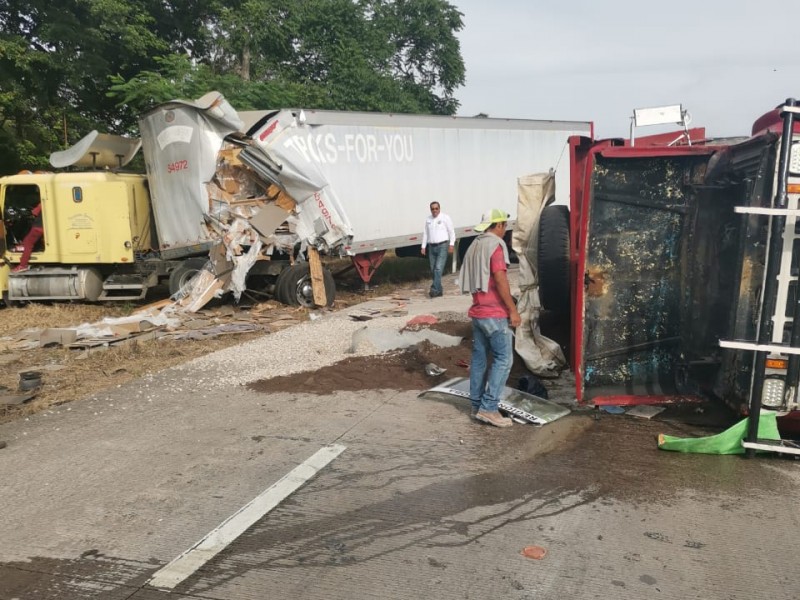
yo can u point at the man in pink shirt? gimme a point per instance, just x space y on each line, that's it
493 313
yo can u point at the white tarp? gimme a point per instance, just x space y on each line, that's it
541 355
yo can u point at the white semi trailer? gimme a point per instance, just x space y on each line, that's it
385 169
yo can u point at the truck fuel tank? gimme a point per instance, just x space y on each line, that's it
54 283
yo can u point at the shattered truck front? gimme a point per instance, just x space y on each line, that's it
240 197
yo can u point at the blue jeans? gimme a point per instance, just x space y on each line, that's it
486 384
437 257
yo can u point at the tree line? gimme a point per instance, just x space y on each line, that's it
70 66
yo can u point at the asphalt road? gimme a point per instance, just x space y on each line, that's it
99 496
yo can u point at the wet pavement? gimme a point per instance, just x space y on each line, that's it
423 502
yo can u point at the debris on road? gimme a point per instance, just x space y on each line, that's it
534 552
433 370
646 411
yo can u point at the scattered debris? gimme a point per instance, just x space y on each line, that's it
434 370
420 322
16 399
534 552
532 385
367 314
646 411
30 380
612 409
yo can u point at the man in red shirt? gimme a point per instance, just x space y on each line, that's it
34 235
493 312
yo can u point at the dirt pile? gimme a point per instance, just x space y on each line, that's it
398 370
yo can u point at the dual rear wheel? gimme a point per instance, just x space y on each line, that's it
293 286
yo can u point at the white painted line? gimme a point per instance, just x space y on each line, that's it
773 348
757 210
218 539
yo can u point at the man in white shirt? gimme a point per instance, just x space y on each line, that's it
438 240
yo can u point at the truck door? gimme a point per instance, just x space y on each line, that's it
633 264
19 200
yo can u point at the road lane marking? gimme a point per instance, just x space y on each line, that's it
231 528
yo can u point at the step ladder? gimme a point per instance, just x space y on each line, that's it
128 286
777 332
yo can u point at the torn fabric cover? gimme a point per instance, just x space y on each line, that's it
541 355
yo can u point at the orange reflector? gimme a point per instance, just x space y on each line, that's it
793 188
777 363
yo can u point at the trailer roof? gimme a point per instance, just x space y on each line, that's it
375 119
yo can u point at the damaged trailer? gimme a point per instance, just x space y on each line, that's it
214 210
251 200
386 168
683 265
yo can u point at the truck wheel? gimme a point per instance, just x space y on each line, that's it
181 274
463 245
293 286
553 258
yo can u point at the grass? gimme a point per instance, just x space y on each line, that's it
78 374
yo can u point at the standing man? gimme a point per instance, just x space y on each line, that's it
35 233
438 240
483 274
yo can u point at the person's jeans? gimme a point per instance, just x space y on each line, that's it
33 236
437 257
489 336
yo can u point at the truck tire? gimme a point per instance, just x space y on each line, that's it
553 259
293 286
409 252
181 274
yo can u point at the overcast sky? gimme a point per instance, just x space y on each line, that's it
727 62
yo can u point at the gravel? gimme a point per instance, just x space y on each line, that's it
304 347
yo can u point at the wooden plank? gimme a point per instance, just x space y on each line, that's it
317 279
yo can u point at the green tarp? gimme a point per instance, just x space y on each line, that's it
727 442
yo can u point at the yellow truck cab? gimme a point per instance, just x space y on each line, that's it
96 224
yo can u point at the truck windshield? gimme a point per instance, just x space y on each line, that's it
19 201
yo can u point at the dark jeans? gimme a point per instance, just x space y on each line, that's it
491 338
437 257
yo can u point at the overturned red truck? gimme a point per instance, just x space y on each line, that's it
683 264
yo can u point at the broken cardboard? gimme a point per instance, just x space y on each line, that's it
57 336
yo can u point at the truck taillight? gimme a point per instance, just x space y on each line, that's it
777 363
772 392
793 188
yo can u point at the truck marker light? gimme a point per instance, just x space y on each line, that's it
777 363
793 188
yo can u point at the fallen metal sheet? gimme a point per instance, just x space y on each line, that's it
516 403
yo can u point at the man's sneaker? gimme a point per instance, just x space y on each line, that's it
473 413
19 269
493 418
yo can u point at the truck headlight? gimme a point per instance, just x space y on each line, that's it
772 392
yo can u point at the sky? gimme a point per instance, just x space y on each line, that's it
726 62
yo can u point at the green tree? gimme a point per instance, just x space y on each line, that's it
70 66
